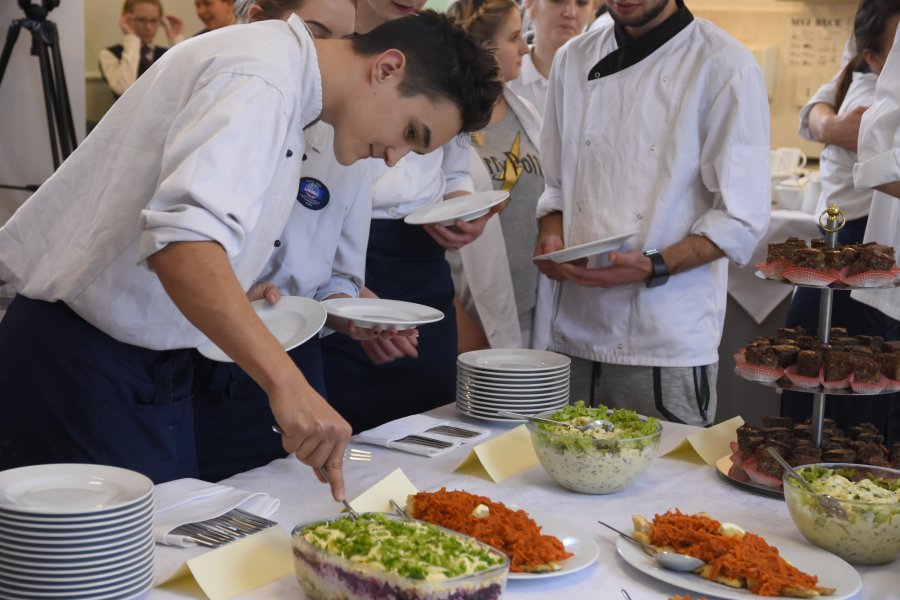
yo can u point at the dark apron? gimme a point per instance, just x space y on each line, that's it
232 419
69 393
402 263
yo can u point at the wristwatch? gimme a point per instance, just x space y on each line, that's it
660 273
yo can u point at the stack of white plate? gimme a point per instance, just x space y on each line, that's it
75 531
522 381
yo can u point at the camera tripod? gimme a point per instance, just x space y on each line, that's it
45 45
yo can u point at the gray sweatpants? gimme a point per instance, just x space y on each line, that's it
680 394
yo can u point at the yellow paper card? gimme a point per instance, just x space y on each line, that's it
708 445
501 457
377 498
238 567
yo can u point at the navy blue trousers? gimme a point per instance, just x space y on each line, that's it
71 393
402 263
232 419
883 410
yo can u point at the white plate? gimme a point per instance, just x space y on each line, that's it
132 589
91 521
583 547
40 540
92 561
589 249
465 208
515 360
380 312
489 408
831 570
292 320
66 489
521 382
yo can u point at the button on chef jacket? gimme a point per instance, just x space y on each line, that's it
322 251
198 155
673 145
419 180
879 163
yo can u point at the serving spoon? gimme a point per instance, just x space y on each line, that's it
596 424
672 561
830 505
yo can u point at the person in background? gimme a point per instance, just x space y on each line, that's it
601 17
122 64
496 281
320 254
554 22
153 232
379 380
658 126
873 34
214 14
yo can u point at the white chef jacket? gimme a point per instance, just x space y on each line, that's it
836 163
206 145
418 180
600 22
879 163
530 84
676 144
322 251
480 269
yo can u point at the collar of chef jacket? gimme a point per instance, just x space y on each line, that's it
632 51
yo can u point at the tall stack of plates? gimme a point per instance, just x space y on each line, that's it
75 531
522 381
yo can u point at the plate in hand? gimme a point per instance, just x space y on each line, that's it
370 313
465 208
584 250
292 320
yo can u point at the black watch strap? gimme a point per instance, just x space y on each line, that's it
660 273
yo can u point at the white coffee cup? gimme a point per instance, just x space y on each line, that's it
787 162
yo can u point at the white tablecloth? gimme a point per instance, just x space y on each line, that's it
759 298
665 485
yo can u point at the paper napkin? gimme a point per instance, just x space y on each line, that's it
387 435
191 500
377 498
501 457
236 568
708 445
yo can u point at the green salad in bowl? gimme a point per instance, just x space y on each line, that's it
595 461
868 531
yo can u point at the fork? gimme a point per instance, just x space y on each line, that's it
828 504
421 440
453 431
225 528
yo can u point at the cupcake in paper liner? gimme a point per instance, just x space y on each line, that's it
868 387
805 276
740 356
870 279
803 381
759 373
837 384
773 270
890 386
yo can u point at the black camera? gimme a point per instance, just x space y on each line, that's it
37 12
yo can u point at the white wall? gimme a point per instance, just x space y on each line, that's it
25 156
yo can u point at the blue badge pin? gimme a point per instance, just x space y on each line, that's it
313 194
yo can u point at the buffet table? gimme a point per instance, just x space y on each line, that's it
667 484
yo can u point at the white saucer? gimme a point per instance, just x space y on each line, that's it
382 313
292 320
589 249
464 208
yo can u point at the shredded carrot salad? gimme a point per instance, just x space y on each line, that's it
747 557
510 531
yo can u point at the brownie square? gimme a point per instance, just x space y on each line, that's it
838 365
809 363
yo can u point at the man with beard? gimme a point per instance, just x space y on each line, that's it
658 126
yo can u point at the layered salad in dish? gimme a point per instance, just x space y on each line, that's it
596 460
381 556
869 531
511 531
733 557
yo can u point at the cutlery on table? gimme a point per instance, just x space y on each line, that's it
225 528
453 431
672 561
830 505
421 440
624 593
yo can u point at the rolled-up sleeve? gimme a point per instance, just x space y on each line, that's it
879 133
551 199
217 163
734 166
348 270
827 92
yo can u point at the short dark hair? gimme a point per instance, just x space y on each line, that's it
442 62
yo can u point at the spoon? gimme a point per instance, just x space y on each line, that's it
672 561
597 424
830 505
